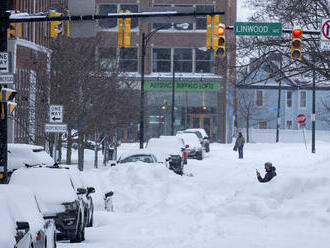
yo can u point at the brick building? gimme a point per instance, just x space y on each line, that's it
179 47
29 59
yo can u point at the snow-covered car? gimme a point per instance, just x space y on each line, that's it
54 187
202 135
138 155
77 182
14 232
193 145
168 149
21 155
25 207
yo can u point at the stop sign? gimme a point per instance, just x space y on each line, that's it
301 118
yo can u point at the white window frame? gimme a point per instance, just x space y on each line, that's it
303 107
262 98
286 98
259 122
286 124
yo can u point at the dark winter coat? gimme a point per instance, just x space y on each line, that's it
269 175
240 141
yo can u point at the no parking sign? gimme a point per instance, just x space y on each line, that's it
325 35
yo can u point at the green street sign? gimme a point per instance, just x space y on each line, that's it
182 85
258 28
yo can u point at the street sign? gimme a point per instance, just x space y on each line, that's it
6 78
55 128
325 35
56 113
4 62
258 28
301 118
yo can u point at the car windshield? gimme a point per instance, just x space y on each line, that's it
135 158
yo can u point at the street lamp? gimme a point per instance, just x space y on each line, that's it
145 40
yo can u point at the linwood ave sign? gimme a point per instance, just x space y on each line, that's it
258 28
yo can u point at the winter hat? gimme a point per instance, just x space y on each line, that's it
268 165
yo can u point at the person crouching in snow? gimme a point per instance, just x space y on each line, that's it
270 173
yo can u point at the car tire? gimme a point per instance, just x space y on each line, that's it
207 147
80 235
199 156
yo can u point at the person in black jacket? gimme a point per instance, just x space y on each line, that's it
270 173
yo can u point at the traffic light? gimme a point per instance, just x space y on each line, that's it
124 31
14 31
296 43
221 50
56 27
7 94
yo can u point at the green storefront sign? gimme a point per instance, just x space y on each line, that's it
258 28
182 85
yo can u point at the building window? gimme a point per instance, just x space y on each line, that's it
262 124
134 9
302 99
183 59
105 9
201 21
184 25
161 60
128 59
289 99
260 98
107 58
288 124
204 61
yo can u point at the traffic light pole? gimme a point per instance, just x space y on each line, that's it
4 24
313 112
143 53
173 101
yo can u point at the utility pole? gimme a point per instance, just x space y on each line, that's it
143 53
4 24
173 101
279 102
313 110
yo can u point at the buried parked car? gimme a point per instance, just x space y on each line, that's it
26 208
138 155
61 202
14 233
22 155
77 182
202 136
193 146
169 150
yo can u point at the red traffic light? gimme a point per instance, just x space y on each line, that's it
297 32
221 30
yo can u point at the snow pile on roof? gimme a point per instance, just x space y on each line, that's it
21 154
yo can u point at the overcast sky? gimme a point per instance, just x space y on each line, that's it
242 12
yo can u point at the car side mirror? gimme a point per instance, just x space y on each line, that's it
90 190
113 164
81 191
23 226
109 194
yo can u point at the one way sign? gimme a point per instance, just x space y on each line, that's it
56 113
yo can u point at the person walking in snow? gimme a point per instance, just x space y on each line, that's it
270 173
239 144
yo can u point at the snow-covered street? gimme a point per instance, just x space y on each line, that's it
222 205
